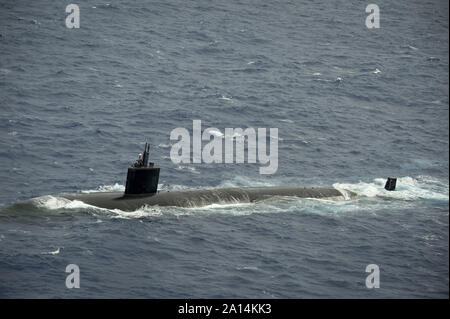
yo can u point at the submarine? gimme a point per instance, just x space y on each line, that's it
142 190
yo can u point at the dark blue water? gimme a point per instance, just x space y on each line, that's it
76 106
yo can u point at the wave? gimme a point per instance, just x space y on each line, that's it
55 252
408 188
370 197
106 188
191 169
54 203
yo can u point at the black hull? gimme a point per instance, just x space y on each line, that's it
198 198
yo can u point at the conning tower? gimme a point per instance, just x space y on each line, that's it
142 177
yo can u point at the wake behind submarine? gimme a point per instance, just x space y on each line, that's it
142 189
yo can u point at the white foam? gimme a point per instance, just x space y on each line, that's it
145 211
173 187
106 188
51 202
54 203
408 188
56 252
189 168
233 204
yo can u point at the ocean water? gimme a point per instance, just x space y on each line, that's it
352 106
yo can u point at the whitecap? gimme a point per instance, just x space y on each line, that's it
56 252
247 268
189 168
223 97
106 188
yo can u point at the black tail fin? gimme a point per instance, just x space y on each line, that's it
390 184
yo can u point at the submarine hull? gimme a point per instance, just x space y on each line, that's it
198 198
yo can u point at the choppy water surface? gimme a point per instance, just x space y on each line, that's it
352 106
